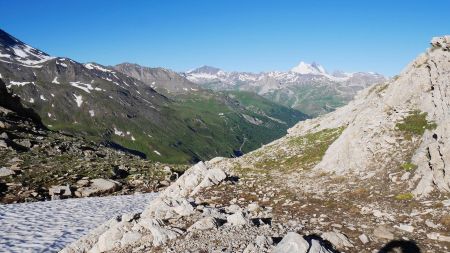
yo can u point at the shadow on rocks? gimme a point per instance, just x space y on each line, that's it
400 246
324 243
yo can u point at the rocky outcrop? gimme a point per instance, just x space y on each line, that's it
172 204
371 133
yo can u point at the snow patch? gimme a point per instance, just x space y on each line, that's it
118 132
92 113
42 98
78 100
83 86
55 80
14 83
49 226
156 152
94 66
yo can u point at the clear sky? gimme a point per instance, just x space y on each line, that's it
259 35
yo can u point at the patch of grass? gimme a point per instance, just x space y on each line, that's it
404 196
409 166
382 88
415 124
305 151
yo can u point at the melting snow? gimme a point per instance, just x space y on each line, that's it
42 98
84 86
26 52
92 113
14 83
94 66
51 94
5 55
62 64
78 100
118 132
132 138
55 80
156 152
51 225
49 115
31 100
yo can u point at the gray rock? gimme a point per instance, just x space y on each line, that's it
261 244
161 233
3 144
337 239
383 232
59 192
99 186
130 238
4 172
364 239
292 242
204 224
237 219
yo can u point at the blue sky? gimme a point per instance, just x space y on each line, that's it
261 35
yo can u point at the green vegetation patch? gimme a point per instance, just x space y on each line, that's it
415 124
409 166
404 196
304 151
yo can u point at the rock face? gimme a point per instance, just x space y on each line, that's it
371 123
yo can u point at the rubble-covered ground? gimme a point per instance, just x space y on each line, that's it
38 164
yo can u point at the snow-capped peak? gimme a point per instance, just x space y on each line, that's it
306 68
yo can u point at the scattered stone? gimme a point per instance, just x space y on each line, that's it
438 237
405 227
364 239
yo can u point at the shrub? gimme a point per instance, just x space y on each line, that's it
404 196
409 166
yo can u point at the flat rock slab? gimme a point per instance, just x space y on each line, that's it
51 225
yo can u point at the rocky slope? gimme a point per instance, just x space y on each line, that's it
39 164
105 105
306 87
370 177
163 80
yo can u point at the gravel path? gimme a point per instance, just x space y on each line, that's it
49 226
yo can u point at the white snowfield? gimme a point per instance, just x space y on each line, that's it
51 225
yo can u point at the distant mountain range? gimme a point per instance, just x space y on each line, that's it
306 87
155 112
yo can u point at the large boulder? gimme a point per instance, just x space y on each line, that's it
98 186
292 242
